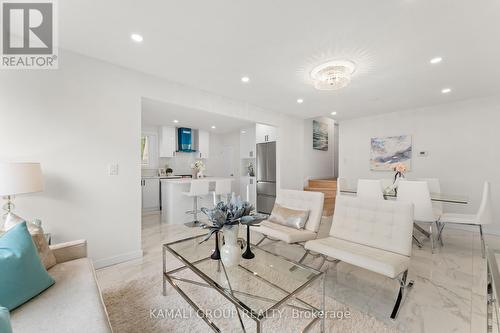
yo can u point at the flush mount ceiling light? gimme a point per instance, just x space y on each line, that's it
333 75
136 38
436 60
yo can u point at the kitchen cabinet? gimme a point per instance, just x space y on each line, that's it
167 141
248 189
203 144
150 194
247 143
265 133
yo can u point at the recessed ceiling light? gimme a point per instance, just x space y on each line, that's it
300 101
176 121
436 60
136 38
333 113
213 127
245 79
243 132
445 90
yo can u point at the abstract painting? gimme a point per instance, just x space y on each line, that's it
320 135
388 151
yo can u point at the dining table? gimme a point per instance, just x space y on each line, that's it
436 197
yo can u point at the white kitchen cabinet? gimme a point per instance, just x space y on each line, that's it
247 143
203 144
248 189
265 133
150 194
167 141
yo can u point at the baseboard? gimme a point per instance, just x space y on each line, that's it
101 263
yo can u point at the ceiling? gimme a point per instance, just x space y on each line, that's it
155 113
210 45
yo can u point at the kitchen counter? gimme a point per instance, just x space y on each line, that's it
189 180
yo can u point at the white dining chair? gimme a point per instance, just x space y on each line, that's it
417 192
386 183
483 216
434 187
370 189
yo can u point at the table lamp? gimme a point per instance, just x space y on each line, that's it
16 179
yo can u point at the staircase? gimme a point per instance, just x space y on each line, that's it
329 188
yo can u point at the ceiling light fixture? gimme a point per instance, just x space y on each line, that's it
445 90
136 38
333 75
436 60
213 127
300 101
175 121
333 113
245 79
243 132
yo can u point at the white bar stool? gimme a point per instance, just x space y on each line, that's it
222 188
198 188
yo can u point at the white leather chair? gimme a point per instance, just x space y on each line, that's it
370 189
372 234
199 187
222 189
417 192
483 216
434 187
312 201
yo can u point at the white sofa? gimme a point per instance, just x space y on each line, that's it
312 201
372 234
72 304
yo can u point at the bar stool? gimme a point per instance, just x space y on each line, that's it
222 188
198 188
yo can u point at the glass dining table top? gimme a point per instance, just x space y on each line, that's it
258 284
440 197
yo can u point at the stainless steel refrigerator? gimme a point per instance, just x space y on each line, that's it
266 176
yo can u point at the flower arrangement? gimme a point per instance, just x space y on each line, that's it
400 170
229 214
198 165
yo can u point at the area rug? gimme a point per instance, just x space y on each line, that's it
139 306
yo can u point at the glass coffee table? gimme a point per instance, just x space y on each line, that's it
256 287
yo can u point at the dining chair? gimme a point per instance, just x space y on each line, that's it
370 189
417 192
483 216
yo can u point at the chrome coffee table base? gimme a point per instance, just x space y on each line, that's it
232 295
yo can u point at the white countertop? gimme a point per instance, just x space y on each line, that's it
162 177
188 180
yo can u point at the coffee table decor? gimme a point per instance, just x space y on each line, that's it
226 217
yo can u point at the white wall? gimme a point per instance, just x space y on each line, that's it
319 164
461 140
77 120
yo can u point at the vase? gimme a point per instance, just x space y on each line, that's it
248 254
230 252
194 174
397 178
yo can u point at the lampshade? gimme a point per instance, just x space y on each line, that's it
19 178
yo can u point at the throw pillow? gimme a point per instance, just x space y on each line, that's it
294 218
44 252
5 320
23 275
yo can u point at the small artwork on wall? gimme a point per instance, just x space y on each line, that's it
388 151
320 135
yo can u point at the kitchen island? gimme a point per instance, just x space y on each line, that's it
175 204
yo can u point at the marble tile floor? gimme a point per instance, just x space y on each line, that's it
449 294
